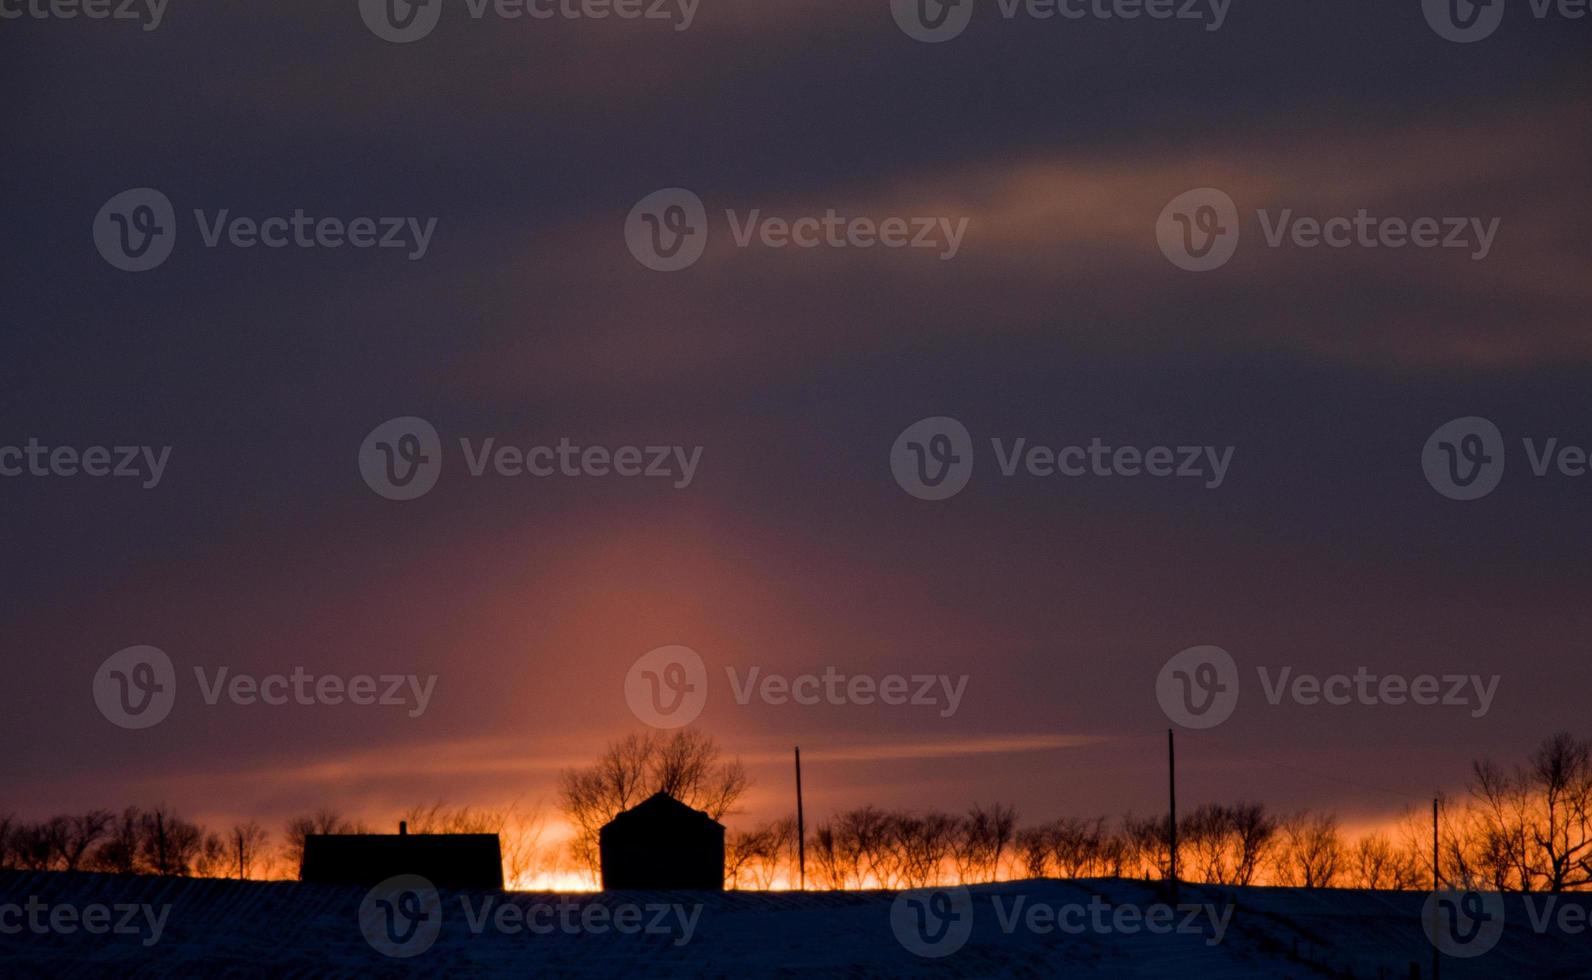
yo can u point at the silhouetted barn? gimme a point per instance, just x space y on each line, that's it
660 843
446 860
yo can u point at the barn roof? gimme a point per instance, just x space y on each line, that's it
447 860
662 808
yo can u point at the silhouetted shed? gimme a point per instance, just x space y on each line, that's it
446 860
660 843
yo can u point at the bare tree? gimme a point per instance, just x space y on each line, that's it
210 857
1379 862
8 826
524 854
1310 851
1535 828
75 836
1255 831
168 844
923 844
866 834
740 848
246 844
834 866
118 853
1033 850
33 847
687 764
1147 845
323 821
1226 844
1115 856
986 835
754 856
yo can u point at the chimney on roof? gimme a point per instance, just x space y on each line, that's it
403 828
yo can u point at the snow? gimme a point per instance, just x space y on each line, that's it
236 929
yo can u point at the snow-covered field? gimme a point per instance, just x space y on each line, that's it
62 925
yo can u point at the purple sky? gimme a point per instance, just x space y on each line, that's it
793 549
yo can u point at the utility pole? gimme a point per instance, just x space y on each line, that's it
160 842
801 826
1171 812
1436 885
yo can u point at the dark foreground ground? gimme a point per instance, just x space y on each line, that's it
78 924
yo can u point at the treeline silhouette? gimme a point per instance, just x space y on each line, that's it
1242 844
158 841
1525 827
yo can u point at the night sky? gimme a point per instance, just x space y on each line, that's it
793 548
